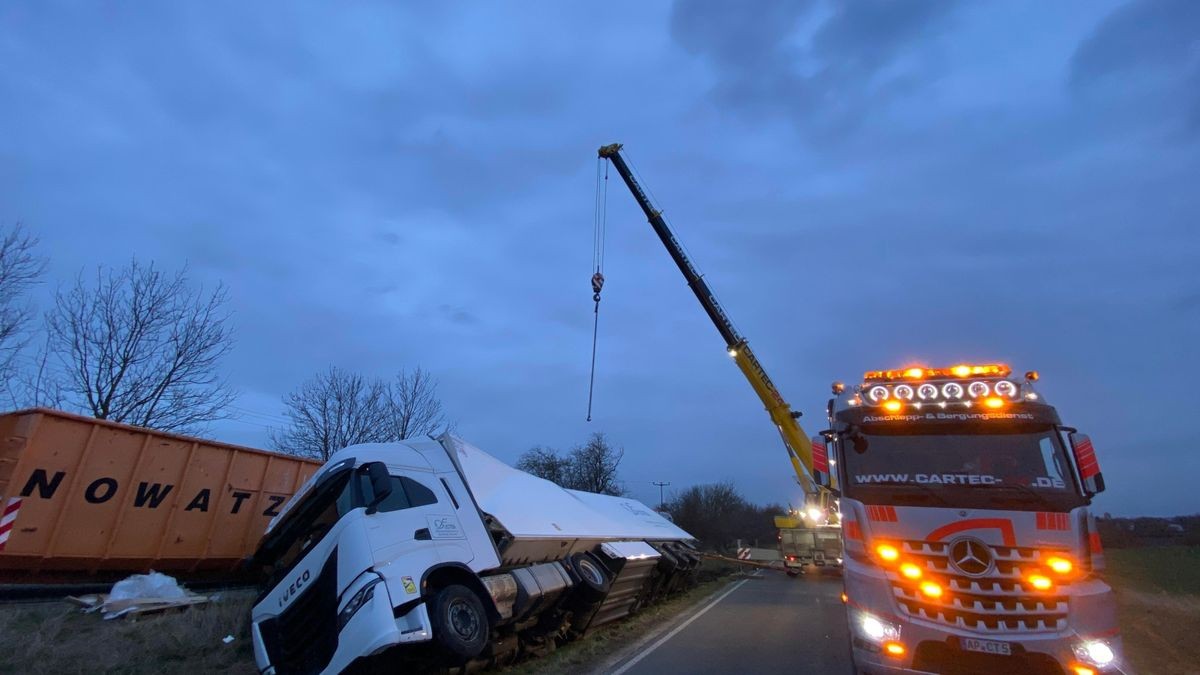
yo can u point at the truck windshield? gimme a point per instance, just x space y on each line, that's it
1017 468
306 523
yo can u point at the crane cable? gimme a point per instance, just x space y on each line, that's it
598 226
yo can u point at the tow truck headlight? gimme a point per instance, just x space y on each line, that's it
1040 582
1095 652
887 552
362 597
877 394
1059 564
952 390
1006 389
877 630
978 389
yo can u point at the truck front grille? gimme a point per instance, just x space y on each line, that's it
303 638
1000 602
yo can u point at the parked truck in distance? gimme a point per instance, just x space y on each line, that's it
801 544
436 553
969 544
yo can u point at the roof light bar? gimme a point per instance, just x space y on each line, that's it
923 373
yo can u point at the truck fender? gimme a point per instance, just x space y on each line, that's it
443 574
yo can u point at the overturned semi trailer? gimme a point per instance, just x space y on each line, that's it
438 546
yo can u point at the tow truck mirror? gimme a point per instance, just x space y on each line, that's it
820 461
381 485
1085 461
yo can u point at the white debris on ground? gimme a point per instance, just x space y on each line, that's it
139 594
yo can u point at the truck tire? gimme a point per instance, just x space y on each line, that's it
460 623
594 581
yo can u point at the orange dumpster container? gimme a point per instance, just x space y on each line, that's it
84 498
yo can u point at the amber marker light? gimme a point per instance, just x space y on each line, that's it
1082 670
893 406
931 590
910 571
914 373
887 552
1040 581
894 648
961 371
994 402
1059 564
845 598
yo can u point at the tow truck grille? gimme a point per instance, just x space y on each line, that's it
998 603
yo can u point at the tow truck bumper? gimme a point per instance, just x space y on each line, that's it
938 651
929 647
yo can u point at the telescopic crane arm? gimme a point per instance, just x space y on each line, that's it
799 448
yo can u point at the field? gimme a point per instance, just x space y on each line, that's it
1158 591
1158 594
58 638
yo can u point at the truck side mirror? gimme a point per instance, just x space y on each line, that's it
381 485
1085 460
820 461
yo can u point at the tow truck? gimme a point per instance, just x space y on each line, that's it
809 459
969 546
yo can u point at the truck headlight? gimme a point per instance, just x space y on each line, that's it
362 597
875 629
1095 652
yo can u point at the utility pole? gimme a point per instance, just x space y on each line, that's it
661 504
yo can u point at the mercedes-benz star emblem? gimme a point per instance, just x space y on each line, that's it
971 556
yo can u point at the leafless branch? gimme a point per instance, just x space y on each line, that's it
333 410
20 269
415 407
142 347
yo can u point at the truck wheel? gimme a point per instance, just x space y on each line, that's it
460 624
593 580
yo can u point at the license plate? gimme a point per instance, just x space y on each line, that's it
986 646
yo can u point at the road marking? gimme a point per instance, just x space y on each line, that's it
658 643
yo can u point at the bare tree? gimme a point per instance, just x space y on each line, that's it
333 410
546 463
594 466
20 269
142 347
591 467
718 515
415 407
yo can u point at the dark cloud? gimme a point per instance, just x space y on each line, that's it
828 65
1154 34
1153 45
865 184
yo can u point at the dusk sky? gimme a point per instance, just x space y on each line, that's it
865 184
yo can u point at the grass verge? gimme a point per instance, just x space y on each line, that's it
58 638
1158 605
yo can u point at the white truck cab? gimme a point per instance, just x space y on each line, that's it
389 545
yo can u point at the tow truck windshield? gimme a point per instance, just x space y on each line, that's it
1014 468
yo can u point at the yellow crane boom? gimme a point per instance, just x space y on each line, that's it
799 448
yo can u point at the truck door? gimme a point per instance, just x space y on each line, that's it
414 521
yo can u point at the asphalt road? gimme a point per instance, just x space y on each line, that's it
769 623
